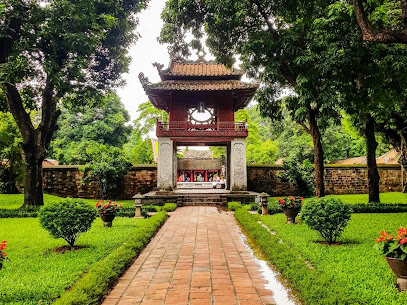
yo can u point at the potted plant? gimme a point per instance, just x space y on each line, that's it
291 206
107 211
395 251
3 256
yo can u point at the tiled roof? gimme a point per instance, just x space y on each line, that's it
354 160
390 157
199 69
217 85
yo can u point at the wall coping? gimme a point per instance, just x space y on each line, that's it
327 166
77 167
154 166
360 165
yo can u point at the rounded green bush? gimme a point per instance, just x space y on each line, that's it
169 207
329 216
67 219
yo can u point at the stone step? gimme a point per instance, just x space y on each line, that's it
201 199
203 203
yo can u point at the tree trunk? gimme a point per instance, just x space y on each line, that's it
318 154
372 172
35 140
33 190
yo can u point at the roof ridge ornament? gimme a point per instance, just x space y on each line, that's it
144 80
201 56
158 66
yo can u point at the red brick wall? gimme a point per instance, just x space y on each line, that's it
338 179
69 181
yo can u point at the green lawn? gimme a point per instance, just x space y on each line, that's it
16 200
393 197
36 274
354 265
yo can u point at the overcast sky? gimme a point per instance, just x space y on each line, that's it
145 52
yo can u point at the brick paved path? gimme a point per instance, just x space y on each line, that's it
197 257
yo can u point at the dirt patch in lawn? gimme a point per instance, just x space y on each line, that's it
336 244
63 249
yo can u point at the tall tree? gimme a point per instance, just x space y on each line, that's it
389 27
368 80
272 40
54 52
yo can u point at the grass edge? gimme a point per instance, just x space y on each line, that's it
312 286
92 287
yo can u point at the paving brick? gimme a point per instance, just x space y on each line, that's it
197 258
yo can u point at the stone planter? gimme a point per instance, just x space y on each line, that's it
399 268
291 214
107 219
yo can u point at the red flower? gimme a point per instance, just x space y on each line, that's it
403 241
384 233
384 236
4 254
401 233
98 204
301 198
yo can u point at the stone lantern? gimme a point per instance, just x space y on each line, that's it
138 204
263 202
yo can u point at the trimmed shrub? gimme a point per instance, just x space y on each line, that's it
148 209
169 207
329 216
93 285
254 206
272 209
67 219
234 205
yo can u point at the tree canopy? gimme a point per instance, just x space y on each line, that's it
139 148
59 52
78 130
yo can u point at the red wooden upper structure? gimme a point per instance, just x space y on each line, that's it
200 98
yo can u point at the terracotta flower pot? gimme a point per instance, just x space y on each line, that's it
399 268
291 214
107 219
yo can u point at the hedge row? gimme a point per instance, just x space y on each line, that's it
356 208
19 213
33 212
313 287
94 285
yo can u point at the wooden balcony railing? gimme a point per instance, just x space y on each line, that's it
183 129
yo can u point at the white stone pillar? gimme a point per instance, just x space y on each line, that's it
238 169
165 179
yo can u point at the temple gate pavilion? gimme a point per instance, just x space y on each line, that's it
201 98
